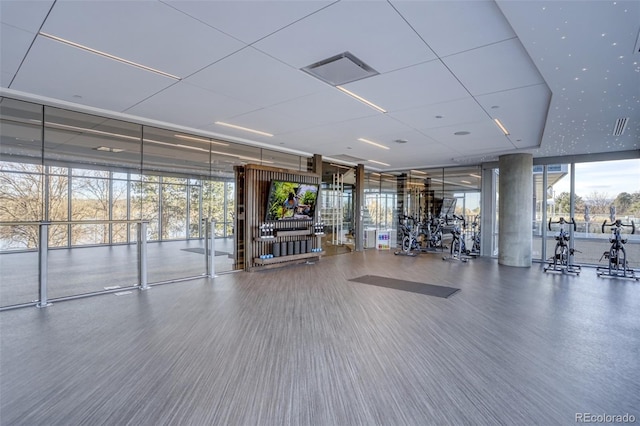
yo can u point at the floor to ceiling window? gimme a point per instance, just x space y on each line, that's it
601 192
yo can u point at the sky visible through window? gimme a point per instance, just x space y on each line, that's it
607 177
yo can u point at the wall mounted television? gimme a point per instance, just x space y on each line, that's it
290 200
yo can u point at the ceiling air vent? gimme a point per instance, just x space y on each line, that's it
621 124
340 69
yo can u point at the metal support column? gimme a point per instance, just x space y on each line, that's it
142 256
43 252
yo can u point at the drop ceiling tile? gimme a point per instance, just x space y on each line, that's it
61 72
501 66
248 21
522 111
327 106
26 15
14 44
450 27
485 136
264 120
457 112
424 84
146 32
188 105
372 31
251 76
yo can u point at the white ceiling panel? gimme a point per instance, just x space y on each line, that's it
146 32
522 111
490 54
14 42
26 15
379 128
190 106
264 120
372 30
327 106
251 76
442 115
424 84
451 27
62 72
500 66
248 20
484 136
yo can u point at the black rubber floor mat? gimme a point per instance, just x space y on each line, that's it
412 286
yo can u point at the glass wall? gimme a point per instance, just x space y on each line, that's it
92 177
379 214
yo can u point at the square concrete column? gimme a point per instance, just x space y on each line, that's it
515 209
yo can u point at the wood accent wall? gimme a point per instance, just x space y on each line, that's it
253 183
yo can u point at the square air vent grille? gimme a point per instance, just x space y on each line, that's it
340 69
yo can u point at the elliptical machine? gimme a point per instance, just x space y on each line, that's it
562 260
617 256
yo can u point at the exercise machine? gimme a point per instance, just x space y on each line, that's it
458 250
562 259
616 255
475 236
410 229
432 233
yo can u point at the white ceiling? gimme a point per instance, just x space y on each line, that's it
557 73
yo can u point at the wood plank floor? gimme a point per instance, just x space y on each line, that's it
305 346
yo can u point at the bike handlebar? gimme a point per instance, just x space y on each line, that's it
618 223
464 224
562 221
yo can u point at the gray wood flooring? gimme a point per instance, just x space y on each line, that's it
305 346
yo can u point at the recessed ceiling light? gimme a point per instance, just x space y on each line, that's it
108 149
361 99
379 162
107 55
193 138
504 129
465 181
474 175
246 129
462 133
418 172
373 143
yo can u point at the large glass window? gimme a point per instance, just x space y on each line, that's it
21 200
57 201
605 192
174 208
602 191
90 201
119 209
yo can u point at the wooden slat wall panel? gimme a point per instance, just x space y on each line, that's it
256 190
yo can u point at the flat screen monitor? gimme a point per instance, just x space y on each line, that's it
289 200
